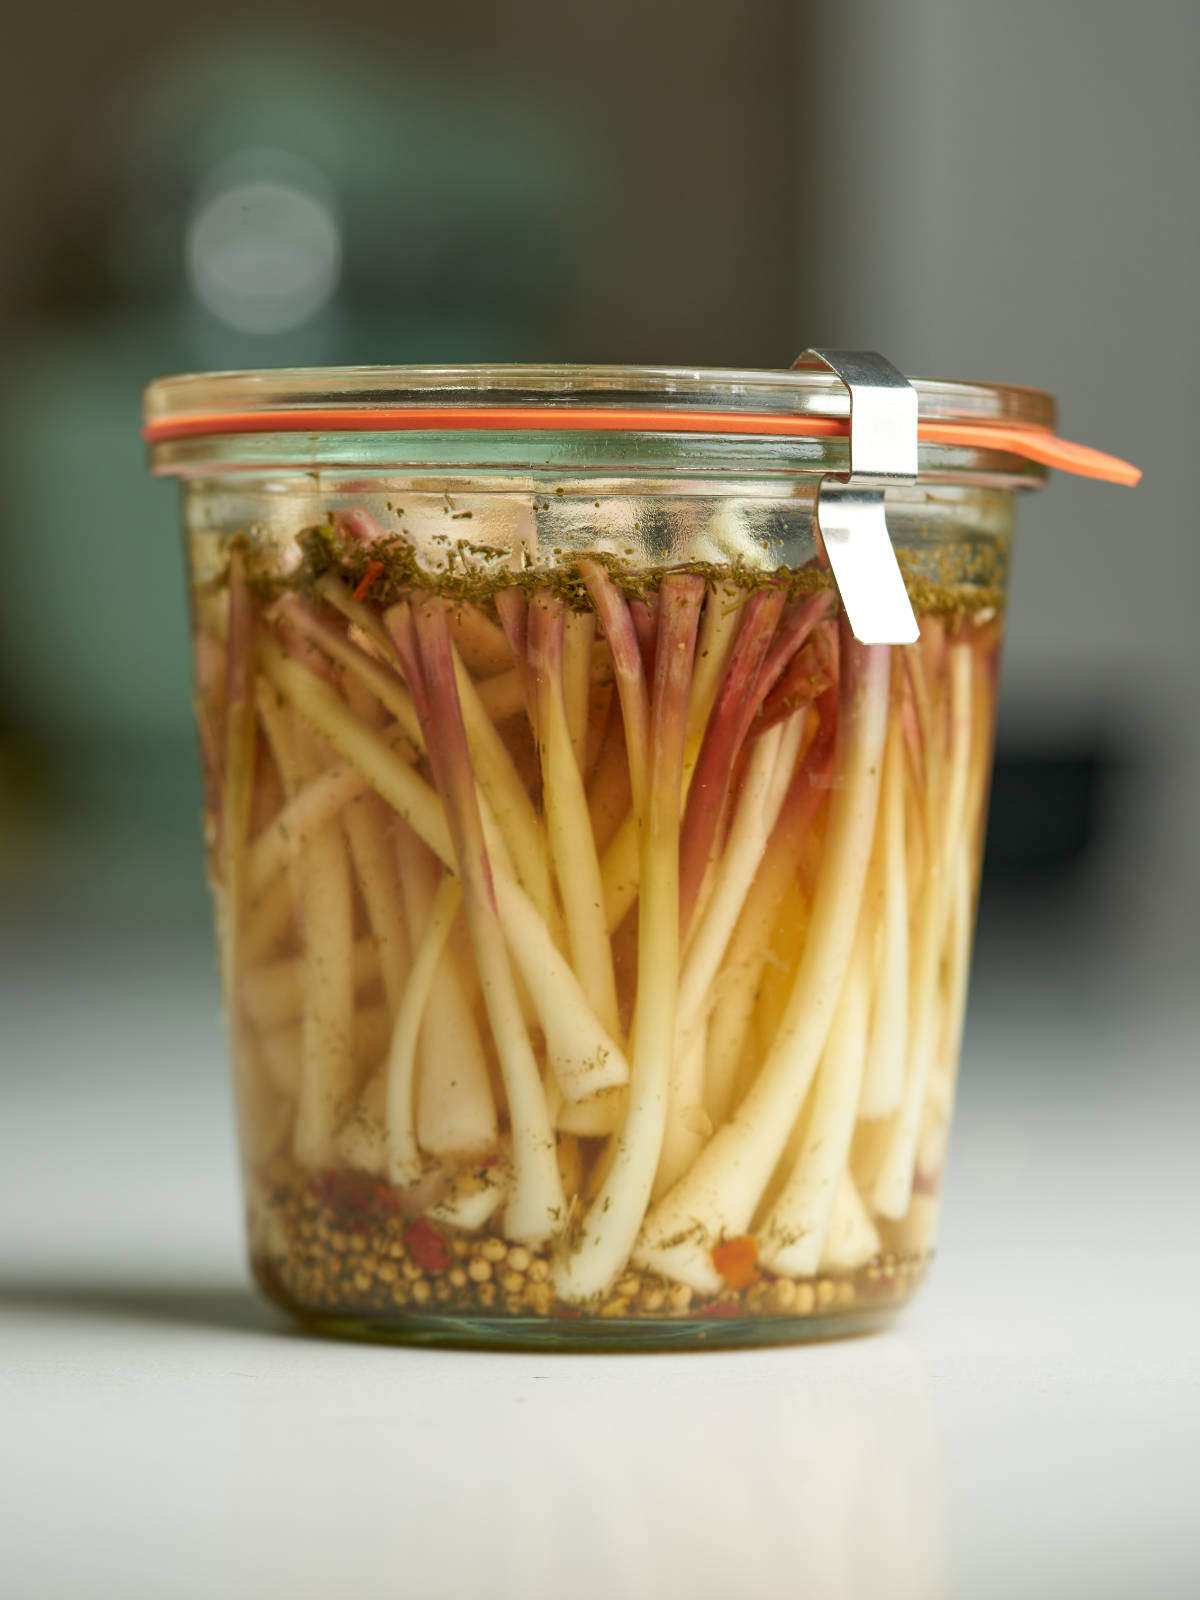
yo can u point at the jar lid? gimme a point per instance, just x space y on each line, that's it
803 402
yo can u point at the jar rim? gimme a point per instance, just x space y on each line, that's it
804 402
796 391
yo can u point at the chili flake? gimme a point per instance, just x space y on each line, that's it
737 1261
427 1246
375 569
723 1308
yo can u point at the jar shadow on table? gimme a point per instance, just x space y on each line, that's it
216 1306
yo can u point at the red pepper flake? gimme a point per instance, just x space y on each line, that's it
722 1308
737 1261
357 1196
324 1187
427 1246
374 570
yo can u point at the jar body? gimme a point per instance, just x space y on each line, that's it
594 911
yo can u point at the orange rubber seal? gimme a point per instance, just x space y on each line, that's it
1033 444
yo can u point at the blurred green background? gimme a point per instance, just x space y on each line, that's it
1004 193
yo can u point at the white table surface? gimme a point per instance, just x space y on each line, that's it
1030 1427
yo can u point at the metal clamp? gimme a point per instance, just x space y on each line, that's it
850 513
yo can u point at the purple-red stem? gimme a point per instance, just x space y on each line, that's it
645 622
805 676
398 620
423 639
546 618
628 669
800 620
240 720
359 524
512 609
810 786
211 765
732 713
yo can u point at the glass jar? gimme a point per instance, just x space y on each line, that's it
594 910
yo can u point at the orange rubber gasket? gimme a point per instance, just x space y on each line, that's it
1034 444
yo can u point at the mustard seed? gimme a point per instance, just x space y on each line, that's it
783 1296
540 1297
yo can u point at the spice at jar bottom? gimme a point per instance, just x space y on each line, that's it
337 1246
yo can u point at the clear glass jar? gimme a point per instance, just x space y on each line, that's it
594 911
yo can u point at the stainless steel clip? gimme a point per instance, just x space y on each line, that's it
850 514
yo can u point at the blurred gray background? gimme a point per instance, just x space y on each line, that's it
979 191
